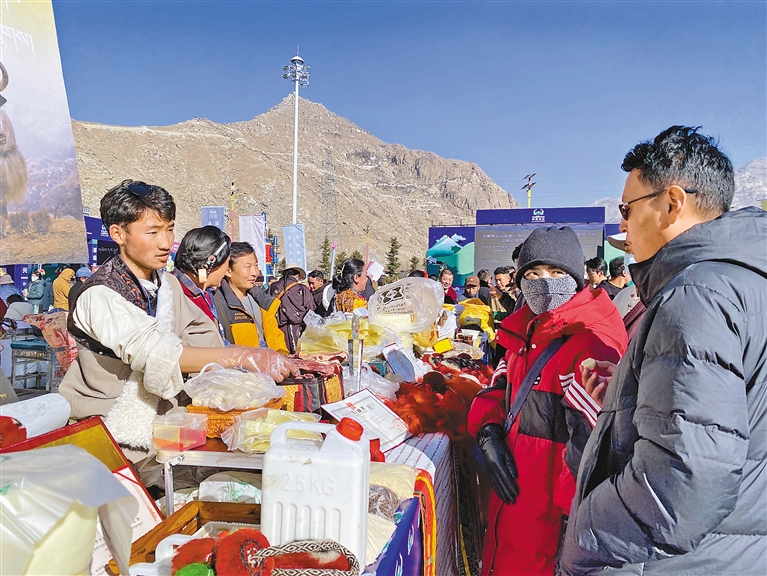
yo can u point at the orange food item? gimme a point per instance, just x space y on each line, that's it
199 550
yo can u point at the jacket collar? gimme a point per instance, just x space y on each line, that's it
231 299
187 282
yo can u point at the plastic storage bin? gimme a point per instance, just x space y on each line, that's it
313 490
179 431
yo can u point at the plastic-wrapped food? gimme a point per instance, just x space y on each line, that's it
382 501
333 336
251 430
229 389
372 381
476 313
410 305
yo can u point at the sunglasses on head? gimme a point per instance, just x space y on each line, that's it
623 207
139 189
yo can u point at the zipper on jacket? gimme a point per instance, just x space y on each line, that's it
495 532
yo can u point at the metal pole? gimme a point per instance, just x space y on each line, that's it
295 159
529 196
234 216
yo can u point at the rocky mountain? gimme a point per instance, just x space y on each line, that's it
396 191
751 184
750 190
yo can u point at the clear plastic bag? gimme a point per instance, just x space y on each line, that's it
53 495
229 389
333 336
382 501
410 305
476 313
252 430
372 381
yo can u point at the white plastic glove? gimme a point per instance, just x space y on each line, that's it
262 360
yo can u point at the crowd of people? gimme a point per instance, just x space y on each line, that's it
625 427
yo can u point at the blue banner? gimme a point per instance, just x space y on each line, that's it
295 245
214 216
538 216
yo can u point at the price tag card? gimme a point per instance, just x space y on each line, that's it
376 419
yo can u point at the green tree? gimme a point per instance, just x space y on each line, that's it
392 256
414 263
325 263
358 255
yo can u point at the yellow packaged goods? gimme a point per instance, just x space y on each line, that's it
219 420
428 338
334 337
476 313
442 346
250 431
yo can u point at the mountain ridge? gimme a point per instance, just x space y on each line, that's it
397 191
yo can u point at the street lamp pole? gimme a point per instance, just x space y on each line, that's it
529 187
297 73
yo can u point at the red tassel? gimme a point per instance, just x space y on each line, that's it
234 555
200 550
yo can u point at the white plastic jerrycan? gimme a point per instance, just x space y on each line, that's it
312 491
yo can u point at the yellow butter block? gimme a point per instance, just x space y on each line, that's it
442 346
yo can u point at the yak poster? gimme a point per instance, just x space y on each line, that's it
41 214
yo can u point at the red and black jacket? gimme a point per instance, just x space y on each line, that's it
551 430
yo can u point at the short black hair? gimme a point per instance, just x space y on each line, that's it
597 264
483 274
122 207
515 253
502 270
616 267
202 248
681 156
417 274
445 272
239 249
13 298
316 274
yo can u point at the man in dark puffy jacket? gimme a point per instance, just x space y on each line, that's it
673 477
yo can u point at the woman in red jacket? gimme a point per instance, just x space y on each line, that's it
532 468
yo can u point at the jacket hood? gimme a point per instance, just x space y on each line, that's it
67 274
737 237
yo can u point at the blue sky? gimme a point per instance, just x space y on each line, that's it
563 89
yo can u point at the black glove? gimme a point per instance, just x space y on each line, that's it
499 462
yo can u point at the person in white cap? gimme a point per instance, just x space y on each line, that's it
6 287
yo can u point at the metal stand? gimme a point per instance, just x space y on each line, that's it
204 456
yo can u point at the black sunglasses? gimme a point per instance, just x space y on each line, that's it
139 189
623 207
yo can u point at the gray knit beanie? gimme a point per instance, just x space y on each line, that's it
554 246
